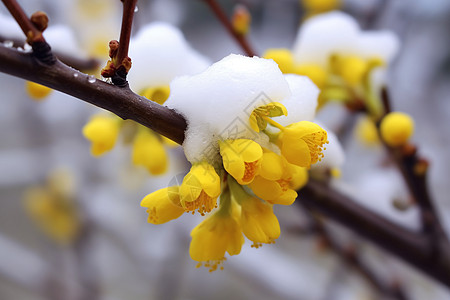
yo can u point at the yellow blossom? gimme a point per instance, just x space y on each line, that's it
157 94
302 143
316 73
259 116
241 20
37 91
396 128
273 183
200 188
55 215
259 223
321 5
351 68
299 177
163 205
366 131
219 233
169 142
241 158
102 131
149 152
283 57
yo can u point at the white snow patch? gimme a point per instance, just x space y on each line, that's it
159 52
218 102
339 33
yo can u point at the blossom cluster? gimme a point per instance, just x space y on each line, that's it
250 143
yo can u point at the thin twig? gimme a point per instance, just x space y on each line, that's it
414 170
125 31
350 255
82 64
220 14
30 31
412 247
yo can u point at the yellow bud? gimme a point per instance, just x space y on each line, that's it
241 20
366 131
102 131
37 91
321 5
396 128
352 69
317 74
283 57
157 94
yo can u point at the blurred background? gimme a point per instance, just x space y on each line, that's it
116 254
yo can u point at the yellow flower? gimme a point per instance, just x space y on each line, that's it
241 159
149 152
157 94
396 128
102 131
321 5
302 143
55 215
37 91
316 73
273 183
259 117
200 188
283 57
299 177
169 142
259 223
219 233
351 68
366 131
163 205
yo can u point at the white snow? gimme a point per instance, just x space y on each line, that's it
159 52
218 102
62 39
339 33
9 29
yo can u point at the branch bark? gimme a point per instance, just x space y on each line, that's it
414 248
120 101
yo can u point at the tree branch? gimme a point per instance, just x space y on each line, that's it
414 170
125 31
30 31
350 255
120 101
82 64
414 248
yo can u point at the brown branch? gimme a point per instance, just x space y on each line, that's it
350 255
412 247
82 64
125 31
220 14
121 101
30 31
118 66
414 170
